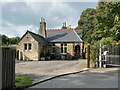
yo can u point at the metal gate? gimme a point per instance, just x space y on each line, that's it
112 56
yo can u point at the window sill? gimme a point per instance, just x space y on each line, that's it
64 53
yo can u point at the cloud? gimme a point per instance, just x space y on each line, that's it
12 30
16 17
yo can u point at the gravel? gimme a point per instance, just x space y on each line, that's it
41 69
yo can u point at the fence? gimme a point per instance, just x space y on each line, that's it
8 69
113 56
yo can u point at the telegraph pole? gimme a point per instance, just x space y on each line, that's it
88 56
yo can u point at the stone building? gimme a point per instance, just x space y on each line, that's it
64 43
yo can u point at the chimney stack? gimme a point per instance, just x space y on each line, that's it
64 26
42 29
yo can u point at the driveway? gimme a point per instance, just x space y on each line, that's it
96 78
43 69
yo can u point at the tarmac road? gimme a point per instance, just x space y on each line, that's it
88 79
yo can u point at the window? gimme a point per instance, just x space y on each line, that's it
53 44
25 46
29 46
53 48
63 48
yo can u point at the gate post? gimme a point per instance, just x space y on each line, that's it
0 68
88 56
100 56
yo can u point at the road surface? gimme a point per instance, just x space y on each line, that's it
87 79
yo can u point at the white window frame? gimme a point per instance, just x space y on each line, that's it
31 47
27 47
64 46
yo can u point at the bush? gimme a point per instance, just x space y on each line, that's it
94 51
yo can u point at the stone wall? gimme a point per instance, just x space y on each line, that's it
28 54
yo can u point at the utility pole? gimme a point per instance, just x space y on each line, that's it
88 56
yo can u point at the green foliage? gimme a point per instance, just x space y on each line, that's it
14 40
94 51
5 41
102 22
86 23
22 80
101 25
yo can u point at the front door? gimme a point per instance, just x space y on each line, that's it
77 51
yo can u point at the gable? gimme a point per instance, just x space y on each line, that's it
30 37
27 38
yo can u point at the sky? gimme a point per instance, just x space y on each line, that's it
18 17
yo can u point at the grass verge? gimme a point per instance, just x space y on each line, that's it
22 80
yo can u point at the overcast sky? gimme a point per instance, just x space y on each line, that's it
18 17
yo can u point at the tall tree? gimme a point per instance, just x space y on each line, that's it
101 23
86 23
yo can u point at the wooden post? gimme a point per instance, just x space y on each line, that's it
88 56
0 68
8 69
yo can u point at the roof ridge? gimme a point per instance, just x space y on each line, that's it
58 29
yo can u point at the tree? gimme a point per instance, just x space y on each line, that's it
101 26
102 22
14 40
86 23
4 39
8 41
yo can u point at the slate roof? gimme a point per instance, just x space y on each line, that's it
63 35
80 33
37 37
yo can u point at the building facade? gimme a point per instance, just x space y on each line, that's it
64 43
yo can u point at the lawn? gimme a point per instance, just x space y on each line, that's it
22 80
